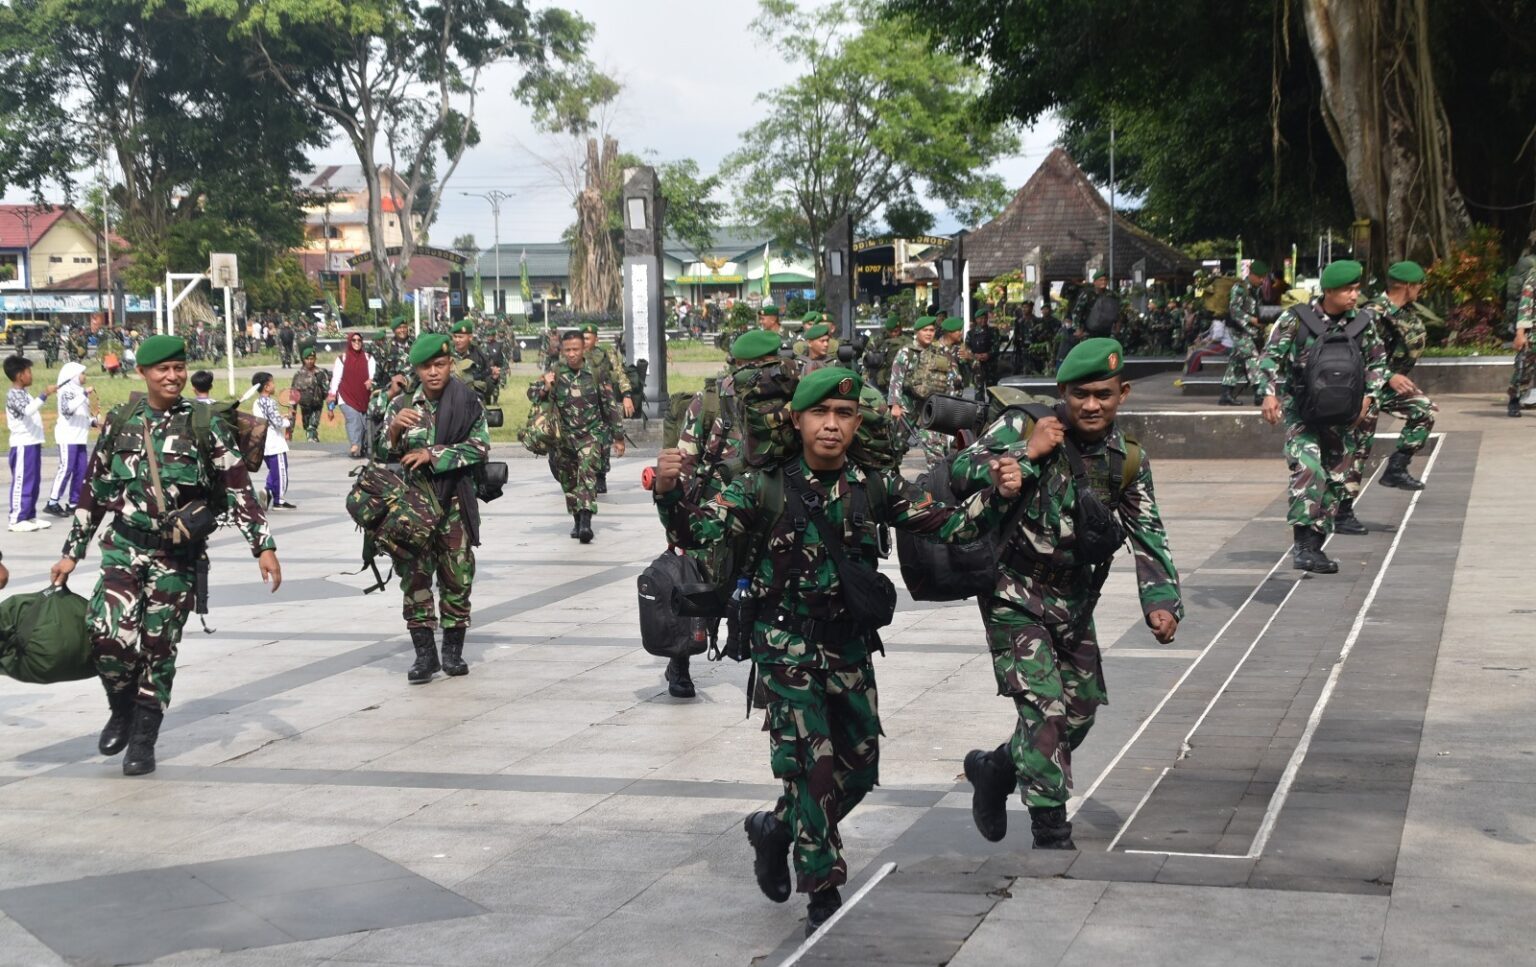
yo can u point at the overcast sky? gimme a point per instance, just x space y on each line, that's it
691 73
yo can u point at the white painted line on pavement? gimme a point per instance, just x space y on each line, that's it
1288 777
1132 817
826 928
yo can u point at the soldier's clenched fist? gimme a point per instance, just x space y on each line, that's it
669 467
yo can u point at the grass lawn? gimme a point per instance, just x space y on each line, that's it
111 392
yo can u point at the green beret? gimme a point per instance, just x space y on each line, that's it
770 310
952 324
755 344
427 347
811 317
1090 360
307 352
161 349
1341 273
1100 274
379 337
981 310
818 330
1410 272
833 382
923 322
463 325
892 323
398 321
589 327
1258 267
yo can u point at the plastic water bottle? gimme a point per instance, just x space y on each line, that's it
740 594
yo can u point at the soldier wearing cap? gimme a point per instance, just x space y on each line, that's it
770 321
1321 494
952 341
1039 618
160 460
890 343
1403 332
1087 296
471 364
983 343
310 384
395 356
590 420
436 432
610 372
818 343
919 371
813 656
1244 327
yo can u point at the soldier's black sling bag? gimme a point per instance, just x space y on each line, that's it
868 596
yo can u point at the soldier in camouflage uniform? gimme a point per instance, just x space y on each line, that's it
891 342
312 384
50 345
394 357
145 590
769 320
1402 331
1244 328
411 439
471 364
1039 618
1087 297
1524 376
589 421
1160 325
1319 456
818 340
610 371
813 658
951 339
920 370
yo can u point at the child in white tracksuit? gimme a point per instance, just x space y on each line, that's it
72 433
266 408
23 415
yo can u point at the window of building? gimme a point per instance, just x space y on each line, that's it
55 258
332 231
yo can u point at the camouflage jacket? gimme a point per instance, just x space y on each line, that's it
587 407
476 448
919 373
118 478
1402 332
731 431
600 359
474 368
312 385
1280 363
1525 313
1045 539
795 574
1082 305
394 359
1243 310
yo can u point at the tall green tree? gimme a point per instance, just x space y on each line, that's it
401 80
876 118
208 149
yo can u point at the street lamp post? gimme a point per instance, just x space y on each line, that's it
495 196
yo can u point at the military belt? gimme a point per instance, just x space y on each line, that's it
815 629
145 539
1056 577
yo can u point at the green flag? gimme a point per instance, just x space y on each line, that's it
767 275
479 291
527 288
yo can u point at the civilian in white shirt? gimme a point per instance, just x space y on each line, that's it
72 433
267 408
24 417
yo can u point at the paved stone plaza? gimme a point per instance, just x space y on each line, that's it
1320 770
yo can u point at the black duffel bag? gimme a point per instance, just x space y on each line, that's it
945 572
663 632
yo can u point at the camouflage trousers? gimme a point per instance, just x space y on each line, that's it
936 446
1241 364
1524 375
310 417
1417 412
1055 677
142 599
824 742
576 467
1320 459
449 558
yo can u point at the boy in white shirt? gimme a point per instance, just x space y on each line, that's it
266 408
23 415
72 433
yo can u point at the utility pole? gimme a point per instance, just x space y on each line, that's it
25 214
495 196
1112 202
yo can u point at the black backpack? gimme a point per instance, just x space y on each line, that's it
663 632
1103 316
1333 368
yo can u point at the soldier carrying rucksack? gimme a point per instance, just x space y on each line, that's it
168 469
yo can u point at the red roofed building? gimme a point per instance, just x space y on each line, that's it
42 246
339 226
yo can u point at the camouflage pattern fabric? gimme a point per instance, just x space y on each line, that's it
1243 327
935 446
394 359
143 596
1039 618
1524 375
447 556
822 719
1160 326
590 419
474 368
312 386
600 359
1319 457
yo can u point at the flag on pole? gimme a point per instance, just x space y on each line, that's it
525 286
479 290
767 275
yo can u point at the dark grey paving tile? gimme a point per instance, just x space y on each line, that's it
146 892
251 877
136 937
1206 871
1122 867
312 914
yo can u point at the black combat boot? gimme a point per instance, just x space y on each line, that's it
1397 475
1309 552
425 642
1226 398
453 652
1345 521
584 521
114 736
823 904
991 785
1050 826
770 840
1514 407
140 758
602 483
679 682
575 524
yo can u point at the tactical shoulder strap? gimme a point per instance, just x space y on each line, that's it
1131 468
1359 324
1311 318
